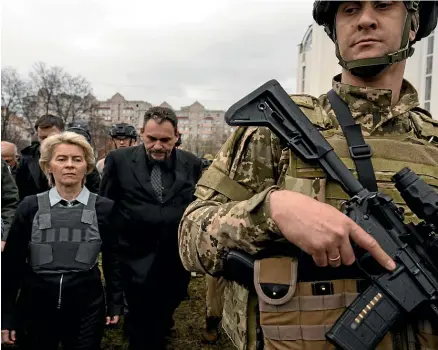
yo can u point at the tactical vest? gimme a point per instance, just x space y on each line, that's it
299 317
64 238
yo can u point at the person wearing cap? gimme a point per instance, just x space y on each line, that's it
51 281
123 135
259 197
93 178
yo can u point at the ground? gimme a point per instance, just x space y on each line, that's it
189 325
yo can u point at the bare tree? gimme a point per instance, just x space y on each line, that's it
69 97
46 84
200 146
13 90
100 140
76 99
49 89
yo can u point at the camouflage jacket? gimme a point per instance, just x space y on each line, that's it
9 199
213 224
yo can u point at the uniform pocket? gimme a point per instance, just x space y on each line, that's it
40 254
88 252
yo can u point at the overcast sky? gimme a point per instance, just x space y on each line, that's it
214 51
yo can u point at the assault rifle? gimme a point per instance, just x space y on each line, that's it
414 248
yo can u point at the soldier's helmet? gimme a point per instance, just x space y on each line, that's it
81 130
421 15
123 129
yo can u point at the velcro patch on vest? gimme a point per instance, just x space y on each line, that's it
87 216
45 221
275 279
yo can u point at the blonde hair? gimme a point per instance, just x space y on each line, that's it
69 138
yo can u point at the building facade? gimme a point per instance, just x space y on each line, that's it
317 65
422 72
317 62
119 110
202 130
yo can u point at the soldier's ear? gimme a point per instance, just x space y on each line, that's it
412 35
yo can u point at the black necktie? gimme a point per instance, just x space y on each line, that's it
156 182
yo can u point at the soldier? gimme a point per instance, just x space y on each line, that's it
214 286
123 135
257 192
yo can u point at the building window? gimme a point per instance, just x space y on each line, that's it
429 70
303 78
430 44
306 45
429 64
428 89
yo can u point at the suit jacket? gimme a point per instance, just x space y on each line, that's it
126 180
147 229
31 180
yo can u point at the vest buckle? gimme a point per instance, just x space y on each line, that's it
360 151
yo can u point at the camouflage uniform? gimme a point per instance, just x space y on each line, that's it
215 287
9 199
254 164
215 296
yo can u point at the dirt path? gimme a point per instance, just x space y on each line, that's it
189 325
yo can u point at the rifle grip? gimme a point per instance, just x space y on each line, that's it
365 322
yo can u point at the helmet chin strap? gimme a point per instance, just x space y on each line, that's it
371 67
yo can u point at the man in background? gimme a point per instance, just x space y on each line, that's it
10 156
9 201
123 135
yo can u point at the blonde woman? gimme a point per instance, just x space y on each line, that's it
51 255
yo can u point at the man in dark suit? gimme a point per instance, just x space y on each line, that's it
151 185
29 177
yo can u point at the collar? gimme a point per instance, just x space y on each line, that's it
366 100
55 197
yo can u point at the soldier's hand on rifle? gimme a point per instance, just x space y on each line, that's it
8 336
321 230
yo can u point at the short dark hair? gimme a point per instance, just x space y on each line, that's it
160 114
48 121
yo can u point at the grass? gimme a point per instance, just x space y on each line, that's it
189 325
